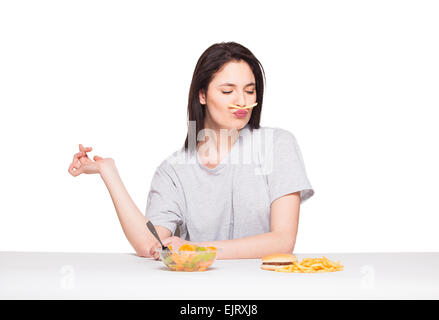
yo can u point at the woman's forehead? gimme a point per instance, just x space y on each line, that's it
234 74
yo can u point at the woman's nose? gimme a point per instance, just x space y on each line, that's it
241 100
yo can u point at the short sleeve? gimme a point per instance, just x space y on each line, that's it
164 205
287 170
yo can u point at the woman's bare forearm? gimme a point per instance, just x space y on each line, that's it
133 222
253 247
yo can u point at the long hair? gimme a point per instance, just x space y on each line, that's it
210 62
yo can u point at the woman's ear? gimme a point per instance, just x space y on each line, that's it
202 97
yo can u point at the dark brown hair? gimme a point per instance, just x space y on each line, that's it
208 64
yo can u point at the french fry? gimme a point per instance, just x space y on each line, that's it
232 106
313 265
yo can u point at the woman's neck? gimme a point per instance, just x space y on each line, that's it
217 143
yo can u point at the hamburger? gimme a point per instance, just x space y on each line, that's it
276 261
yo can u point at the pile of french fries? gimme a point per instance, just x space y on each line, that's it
313 265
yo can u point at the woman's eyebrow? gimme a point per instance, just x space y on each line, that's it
234 85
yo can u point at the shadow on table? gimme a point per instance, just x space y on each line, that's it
164 268
169 270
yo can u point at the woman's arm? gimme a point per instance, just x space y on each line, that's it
280 239
132 220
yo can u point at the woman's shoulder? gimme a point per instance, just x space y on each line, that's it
166 168
180 156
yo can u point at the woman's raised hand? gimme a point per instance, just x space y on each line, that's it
83 164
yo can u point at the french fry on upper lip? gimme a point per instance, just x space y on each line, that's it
232 106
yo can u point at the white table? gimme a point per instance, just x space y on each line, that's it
37 275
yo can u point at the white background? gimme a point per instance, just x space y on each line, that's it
355 81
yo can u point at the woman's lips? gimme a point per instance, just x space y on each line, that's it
240 113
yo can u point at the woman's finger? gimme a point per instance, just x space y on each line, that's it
76 161
80 160
74 171
76 157
75 167
87 149
78 172
84 158
156 255
153 252
71 169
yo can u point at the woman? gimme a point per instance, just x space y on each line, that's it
205 190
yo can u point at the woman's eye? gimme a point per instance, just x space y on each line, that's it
227 92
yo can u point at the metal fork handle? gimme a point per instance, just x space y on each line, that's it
154 232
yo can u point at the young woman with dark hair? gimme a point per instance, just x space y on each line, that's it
234 184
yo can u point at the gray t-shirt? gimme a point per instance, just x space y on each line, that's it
233 199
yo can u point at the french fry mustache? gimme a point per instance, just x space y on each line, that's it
232 106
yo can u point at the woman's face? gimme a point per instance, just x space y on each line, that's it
234 84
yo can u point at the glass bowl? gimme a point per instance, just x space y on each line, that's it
198 260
